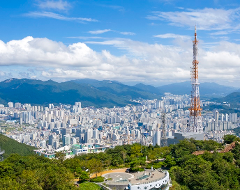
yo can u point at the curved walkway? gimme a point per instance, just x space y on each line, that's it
105 172
108 171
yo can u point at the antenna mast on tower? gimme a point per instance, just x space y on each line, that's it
195 108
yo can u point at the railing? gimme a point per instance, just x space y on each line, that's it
123 182
151 181
103 186
118 182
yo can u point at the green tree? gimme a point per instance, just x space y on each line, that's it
28 180
8 183
228 139
95 166
83 176
72 164
60 156
136 150
55 177
169 161
228 156
236 151
184 147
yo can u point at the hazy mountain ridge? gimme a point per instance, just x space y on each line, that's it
233 99
116 88
92 92
45 92
206 88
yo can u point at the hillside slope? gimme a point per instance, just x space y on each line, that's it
11 146
96 93
45 92
233 99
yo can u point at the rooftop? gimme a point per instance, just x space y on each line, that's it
147 176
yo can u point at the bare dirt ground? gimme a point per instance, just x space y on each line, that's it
105 172
108 171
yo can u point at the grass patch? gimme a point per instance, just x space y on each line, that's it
89 186
97 179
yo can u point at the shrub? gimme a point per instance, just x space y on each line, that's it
97 179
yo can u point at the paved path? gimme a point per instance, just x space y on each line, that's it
105 172
108 171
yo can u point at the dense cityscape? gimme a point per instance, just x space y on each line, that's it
78 130
96 95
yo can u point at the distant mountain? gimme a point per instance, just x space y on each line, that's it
233 99
117 88
149 88
92 92
205 88
103 93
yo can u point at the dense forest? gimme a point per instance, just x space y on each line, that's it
209 170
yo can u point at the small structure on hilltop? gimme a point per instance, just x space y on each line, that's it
150 179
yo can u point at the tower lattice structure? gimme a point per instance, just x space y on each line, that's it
195 120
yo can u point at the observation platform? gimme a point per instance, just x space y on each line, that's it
148 179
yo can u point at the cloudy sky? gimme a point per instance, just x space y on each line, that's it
131 41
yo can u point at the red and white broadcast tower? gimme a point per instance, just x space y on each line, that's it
195 120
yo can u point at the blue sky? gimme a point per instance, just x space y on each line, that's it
131 41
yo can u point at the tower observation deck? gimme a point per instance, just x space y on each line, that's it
195 121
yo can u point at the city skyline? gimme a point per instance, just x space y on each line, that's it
130 42
43 126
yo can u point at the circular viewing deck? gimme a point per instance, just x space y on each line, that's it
148 179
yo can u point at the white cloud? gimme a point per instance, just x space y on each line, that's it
42 51
173 62
46 14
143 62
86 37
205 19
116 7
127 33
51 4
99 31
109 30
219 33
171 35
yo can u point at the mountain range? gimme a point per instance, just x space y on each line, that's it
206 89
92 92
233 99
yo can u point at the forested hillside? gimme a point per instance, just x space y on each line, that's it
38 92
11 146
210 171
93 92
